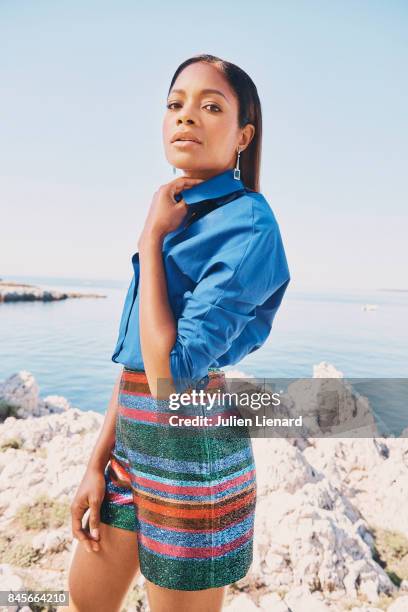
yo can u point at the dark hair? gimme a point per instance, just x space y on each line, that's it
249 111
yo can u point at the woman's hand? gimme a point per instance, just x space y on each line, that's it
90 494
165 214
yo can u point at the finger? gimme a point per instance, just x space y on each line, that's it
87 540
76 519
181 185
94 524
77 513
184 183
182 179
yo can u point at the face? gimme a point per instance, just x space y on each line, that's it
208 120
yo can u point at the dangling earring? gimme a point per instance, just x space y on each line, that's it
237 171
174 170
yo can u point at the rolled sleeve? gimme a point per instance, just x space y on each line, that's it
205 331
223 303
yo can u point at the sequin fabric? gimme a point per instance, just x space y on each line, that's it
189 495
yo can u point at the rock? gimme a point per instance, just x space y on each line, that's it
19 397
10 581
366 609
326 370
272 603
329 405
307 533
19 292
50 541
399 605
54 403
301 600
55 428
20 394
363 469
241 603
50 459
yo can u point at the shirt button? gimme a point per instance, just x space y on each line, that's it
202 383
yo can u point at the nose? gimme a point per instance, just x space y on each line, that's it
186 114
184 120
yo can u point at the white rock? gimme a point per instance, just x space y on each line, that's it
366 609
326 370
38 540
241 603
399 605
55 403
363 469
9 580
330 404
272 603
50 541
301 600
22 393
307 533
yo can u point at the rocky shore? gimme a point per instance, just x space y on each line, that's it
17 292
331 532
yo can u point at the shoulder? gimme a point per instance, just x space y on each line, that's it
263 229
254 223
262 212
245 216
262 265
242 234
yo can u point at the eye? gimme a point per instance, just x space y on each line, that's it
214 106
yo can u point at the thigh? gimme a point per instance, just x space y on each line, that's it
162 600
100 580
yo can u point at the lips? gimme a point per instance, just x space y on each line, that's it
185 137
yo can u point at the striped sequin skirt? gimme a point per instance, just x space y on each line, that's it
188 492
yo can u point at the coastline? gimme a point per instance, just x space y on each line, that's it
21 292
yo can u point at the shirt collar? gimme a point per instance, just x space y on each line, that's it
215 187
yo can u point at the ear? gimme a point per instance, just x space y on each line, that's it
247 135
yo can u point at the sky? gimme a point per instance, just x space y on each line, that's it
83 88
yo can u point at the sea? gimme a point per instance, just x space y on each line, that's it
68 345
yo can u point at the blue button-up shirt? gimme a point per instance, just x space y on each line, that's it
226 274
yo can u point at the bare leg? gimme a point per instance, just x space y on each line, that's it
100 580
162 600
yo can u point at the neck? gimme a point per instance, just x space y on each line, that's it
203 174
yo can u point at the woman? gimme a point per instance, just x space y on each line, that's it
209 275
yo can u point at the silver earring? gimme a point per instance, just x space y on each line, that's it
174 170
237 171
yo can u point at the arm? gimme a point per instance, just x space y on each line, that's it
251 272
91 491
158 328
106 439
157 325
